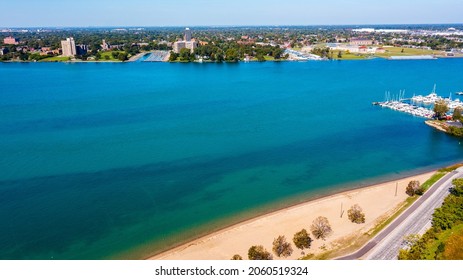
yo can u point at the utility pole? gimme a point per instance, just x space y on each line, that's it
396 187
342 212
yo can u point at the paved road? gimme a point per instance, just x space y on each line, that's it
416 219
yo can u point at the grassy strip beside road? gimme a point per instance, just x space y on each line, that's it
426 185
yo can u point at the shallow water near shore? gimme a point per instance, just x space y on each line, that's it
124 160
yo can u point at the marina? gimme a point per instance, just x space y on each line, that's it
418 105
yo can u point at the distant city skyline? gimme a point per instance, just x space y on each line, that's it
86 13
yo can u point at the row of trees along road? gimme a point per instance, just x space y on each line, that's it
320 229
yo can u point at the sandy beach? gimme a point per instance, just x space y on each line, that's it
378 202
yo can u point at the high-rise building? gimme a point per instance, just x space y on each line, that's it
69 47
188 42
187 36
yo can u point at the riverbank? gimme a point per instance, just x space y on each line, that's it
378 202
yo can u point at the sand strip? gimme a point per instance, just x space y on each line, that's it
377 201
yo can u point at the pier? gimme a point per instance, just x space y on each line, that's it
407 108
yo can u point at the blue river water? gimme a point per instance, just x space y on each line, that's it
123 160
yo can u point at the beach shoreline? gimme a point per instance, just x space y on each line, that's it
237 238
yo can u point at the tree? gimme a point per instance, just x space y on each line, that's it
414 188
302 239
440 109
236 258
321 228
453 248
356 215
219 57
259 253
185 54
457 114
231 55
281 247
173 56
457 189
339 54
122 56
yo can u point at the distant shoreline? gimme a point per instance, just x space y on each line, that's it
225 62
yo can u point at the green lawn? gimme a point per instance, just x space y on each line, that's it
397 51
56 59
348 56
110 56
269 58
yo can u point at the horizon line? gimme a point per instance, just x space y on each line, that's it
225 25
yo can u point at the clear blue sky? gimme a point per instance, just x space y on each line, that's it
27 13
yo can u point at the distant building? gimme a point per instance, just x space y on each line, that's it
380 50
191 45
188 43
361 41
178 46
81 49
3 51
69 47
105 46
10 41
246 40
187 36
362 49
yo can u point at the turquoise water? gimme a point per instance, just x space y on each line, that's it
123 160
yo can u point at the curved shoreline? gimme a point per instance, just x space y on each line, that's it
196 248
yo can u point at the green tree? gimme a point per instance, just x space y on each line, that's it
122 56
440 109
321 228
173 56
457 189
259 253
260 57
339 54
302 239
356 215
413 188
456 131
281 247
219 57
457 113
184 54
231 55
236 258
